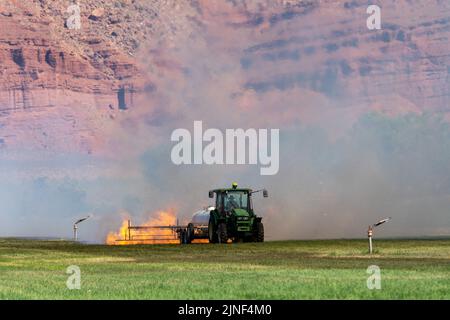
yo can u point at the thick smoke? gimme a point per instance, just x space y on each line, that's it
341 169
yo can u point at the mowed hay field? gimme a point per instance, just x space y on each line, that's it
410 269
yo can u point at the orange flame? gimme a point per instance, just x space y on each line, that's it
127 236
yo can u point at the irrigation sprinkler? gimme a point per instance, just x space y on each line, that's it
370 232
75 227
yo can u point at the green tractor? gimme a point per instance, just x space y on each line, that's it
233 217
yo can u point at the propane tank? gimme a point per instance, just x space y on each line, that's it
201 217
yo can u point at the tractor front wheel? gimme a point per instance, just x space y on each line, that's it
223 236
259 232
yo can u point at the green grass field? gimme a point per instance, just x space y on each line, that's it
410 269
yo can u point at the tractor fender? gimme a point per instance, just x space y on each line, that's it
213 216
216 217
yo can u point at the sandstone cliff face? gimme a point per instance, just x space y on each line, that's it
324 46
54 90
62 89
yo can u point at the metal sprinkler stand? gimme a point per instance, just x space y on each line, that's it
369 235
75 227
370 232
75 232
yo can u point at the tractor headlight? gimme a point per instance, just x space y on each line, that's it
242 218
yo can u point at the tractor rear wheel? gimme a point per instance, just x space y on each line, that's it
223 236
212 233
259 232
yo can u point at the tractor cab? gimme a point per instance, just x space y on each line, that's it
228 200
233 216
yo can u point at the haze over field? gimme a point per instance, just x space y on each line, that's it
363 115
